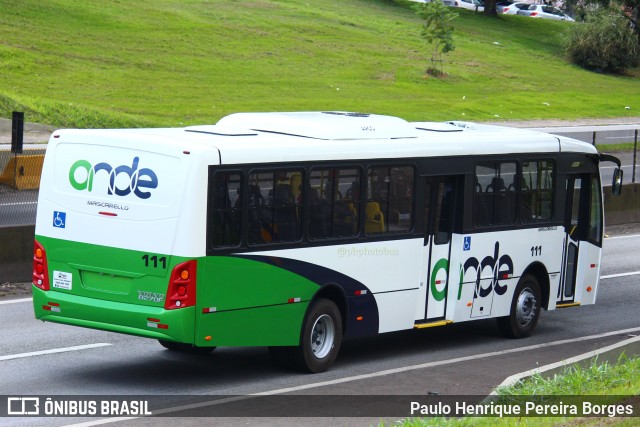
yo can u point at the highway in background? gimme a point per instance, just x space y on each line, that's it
19 208
609 134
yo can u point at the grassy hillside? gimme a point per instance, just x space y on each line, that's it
173 62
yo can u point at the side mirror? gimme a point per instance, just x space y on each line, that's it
616 185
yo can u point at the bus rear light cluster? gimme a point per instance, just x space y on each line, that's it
182 286
40 271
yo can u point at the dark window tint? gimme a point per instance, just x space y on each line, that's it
537 191
274 213
595 212
389 207
443 225
226 209
495 194
334 202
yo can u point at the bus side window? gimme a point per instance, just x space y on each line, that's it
273 209
226 211
595 212
256 201
496 205
537 191
389 200
334 202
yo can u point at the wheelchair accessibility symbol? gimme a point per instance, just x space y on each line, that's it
59 219
467 243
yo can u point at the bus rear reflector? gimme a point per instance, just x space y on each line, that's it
182 286
40 273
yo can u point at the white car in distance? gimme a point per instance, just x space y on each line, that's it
513 8
544 11
470 4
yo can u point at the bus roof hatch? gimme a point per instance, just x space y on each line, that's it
323 125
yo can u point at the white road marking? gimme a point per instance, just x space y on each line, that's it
613 167
54 350
622 237
18 203
612 276
361 377
13 301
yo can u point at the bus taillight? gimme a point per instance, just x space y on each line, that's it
40 272
182 287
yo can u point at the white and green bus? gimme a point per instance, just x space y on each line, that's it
295 230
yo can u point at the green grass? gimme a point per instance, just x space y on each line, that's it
615 148
617 383
172 62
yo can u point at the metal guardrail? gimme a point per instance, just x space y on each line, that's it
601 135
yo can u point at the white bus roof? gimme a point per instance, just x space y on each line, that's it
245 138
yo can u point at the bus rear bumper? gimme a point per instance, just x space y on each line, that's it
131 319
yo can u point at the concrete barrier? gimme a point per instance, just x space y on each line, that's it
23 172
16 253
622 209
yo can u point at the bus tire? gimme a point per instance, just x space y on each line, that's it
525 309
185 348
321 338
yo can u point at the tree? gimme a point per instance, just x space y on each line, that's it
604 42
632 12
437 30
490 8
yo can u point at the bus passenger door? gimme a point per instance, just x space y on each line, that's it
583 231
438 209
573 228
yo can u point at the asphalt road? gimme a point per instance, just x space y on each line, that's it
18 207
611 134
460 359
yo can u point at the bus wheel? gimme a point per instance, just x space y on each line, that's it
321 338
525 309
185 348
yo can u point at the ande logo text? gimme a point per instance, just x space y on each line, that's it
130 179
